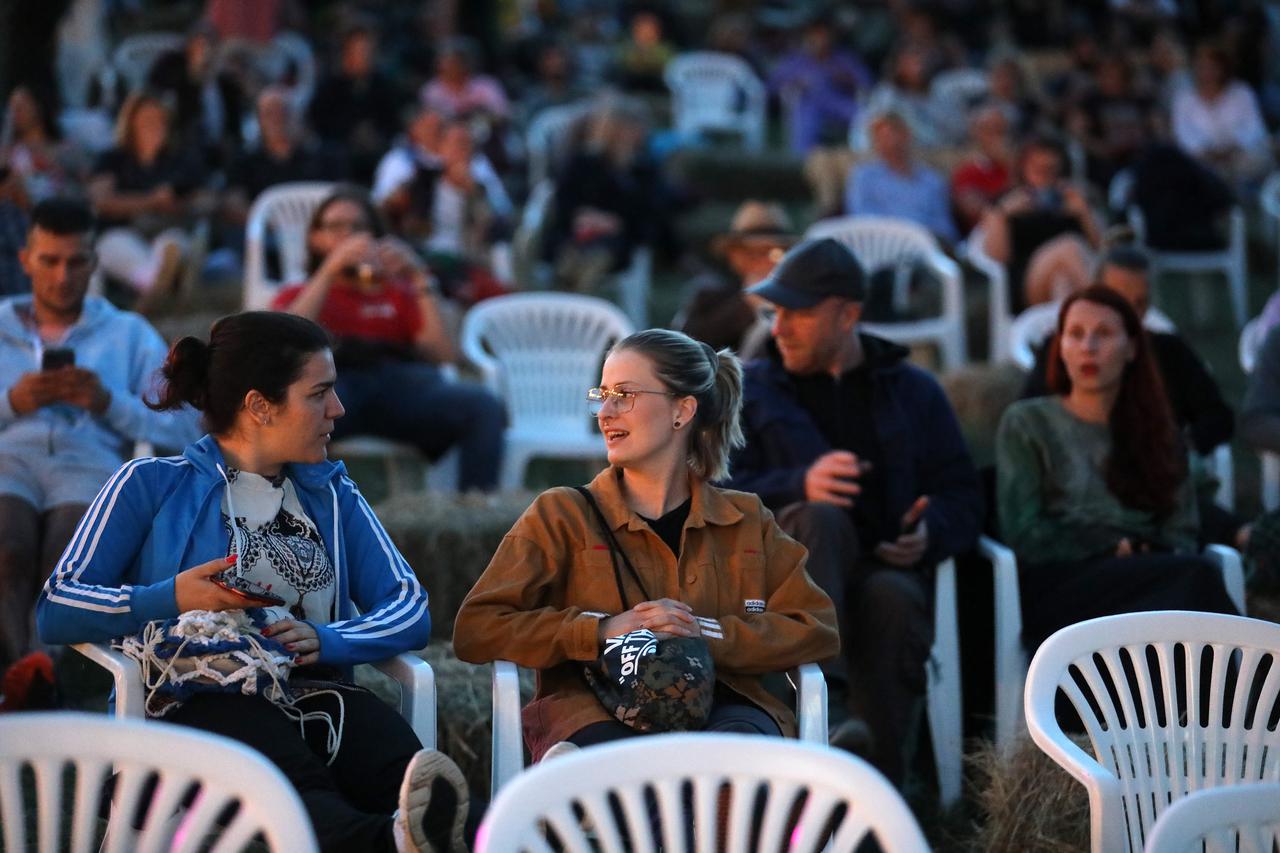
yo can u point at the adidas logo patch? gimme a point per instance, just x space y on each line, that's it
754 605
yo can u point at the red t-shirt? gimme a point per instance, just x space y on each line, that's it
389 315
987 177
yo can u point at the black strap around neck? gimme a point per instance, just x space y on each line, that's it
615 550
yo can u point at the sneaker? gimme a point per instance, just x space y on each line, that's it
558 750
433 806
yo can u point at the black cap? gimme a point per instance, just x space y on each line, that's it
811 272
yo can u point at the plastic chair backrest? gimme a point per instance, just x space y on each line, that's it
960 88
1035 326
688 788
716 91
1234 819
877 241
204 773
133 57
1251 338
1172 701
540 352
547 135
285 210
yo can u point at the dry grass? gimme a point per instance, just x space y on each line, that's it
449 540
1026 802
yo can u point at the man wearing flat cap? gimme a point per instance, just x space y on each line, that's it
720 313
859 454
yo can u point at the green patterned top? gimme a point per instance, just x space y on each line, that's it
1052 495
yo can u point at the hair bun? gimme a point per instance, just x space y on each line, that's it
186 373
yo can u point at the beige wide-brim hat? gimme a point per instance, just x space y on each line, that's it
756 222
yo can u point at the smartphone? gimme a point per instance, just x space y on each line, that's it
57 357
247 589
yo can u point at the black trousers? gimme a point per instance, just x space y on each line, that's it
738 718
349 801
886 631
1055 595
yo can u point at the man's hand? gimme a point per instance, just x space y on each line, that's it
831 478
35 390
298 637
905 551
81 387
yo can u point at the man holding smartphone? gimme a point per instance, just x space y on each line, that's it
73 371
859 454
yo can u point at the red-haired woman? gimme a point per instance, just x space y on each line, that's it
1093 489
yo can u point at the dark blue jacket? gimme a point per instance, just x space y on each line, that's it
924 452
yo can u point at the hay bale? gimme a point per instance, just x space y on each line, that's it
979 394
1027 801
449 540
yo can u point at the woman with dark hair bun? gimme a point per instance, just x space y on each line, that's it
255 505
1093 489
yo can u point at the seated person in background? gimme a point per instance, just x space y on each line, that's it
284 152
458 92
1094 491
208 101
146 190
555 84
1042 230
607 200
1260 414
980 179
256 499
638 63
356 109
442 195
1184 202
896 184
669 407
904 90
1113 121
820 83
1218 120
720 312
32 149
377 299
1193 394
73 371
860 455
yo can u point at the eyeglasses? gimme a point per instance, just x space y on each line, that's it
343 226
623 401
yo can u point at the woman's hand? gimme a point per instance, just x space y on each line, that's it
298 637
351 252
664 617
194 588
398 259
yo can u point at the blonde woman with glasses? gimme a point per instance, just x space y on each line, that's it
702 561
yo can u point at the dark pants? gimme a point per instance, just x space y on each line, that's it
30 544
412 402
350 801
886 630
1055 595
729 717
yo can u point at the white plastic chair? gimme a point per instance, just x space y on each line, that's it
546 137
1230 261
283 210
1251 337
414 675
1159 729
1011 655
1234 819
955 93
614 797
540 352
999 311
179 760
1034 326
508 742
880 242
716 92
132 59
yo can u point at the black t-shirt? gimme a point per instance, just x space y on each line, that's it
178 168
256 170
671 525
842 409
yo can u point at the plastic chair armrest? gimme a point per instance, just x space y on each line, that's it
417 693
1229 563
507 746
130 693
811 702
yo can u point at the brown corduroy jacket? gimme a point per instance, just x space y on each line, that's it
542 598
